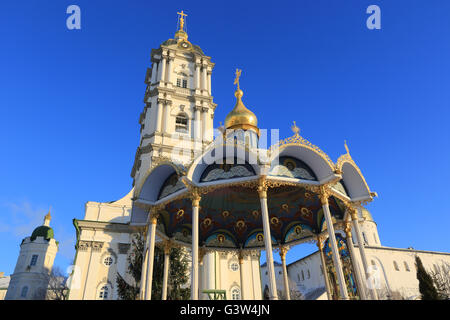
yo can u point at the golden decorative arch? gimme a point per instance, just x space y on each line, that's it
347 158
298 140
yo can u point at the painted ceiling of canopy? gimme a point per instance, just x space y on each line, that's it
230 217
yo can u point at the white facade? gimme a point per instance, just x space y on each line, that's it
104 243
177 123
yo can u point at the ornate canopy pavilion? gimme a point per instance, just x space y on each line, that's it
237 197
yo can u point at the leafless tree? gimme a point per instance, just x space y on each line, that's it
441 279
57 285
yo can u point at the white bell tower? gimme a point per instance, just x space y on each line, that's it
177 121
31 275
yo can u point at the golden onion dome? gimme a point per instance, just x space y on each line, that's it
241 117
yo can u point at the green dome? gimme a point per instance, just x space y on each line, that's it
42 231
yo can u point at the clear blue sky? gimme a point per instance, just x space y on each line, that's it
70 101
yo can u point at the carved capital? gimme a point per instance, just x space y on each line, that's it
153 215
84 245
262 187
320 243
168 245
348 229
283 251
97 246
353 213
195 197
324 194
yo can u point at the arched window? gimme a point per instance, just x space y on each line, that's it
309 274
406 266
34 260
23 293
365 239
396 266
181 123
104 293
375 238
235 293
303 276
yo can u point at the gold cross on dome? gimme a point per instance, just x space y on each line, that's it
182 15
236 80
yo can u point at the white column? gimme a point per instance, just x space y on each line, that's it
209 83
351 249
334 248
159 111
166 118
154 72
204 77
241 274
268 243
194 273
169 72
166 271
197 76
362 252
283 251
162 73
203 280
324 268
197 124
151 255
204 129
144 267
210 271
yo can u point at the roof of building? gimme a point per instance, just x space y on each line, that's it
274 263
42 231
4 282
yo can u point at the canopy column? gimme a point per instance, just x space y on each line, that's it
324 194
362 252
167 246
195 197
324 268
262 190
144 265
153 219
283 251
355 264
241 273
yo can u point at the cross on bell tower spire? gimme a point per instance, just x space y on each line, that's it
181 19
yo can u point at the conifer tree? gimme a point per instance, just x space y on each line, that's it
178 268
125 290
426 285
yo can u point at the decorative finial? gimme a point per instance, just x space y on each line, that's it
346 147
236 80
47 217
182 15
238 92
295 129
